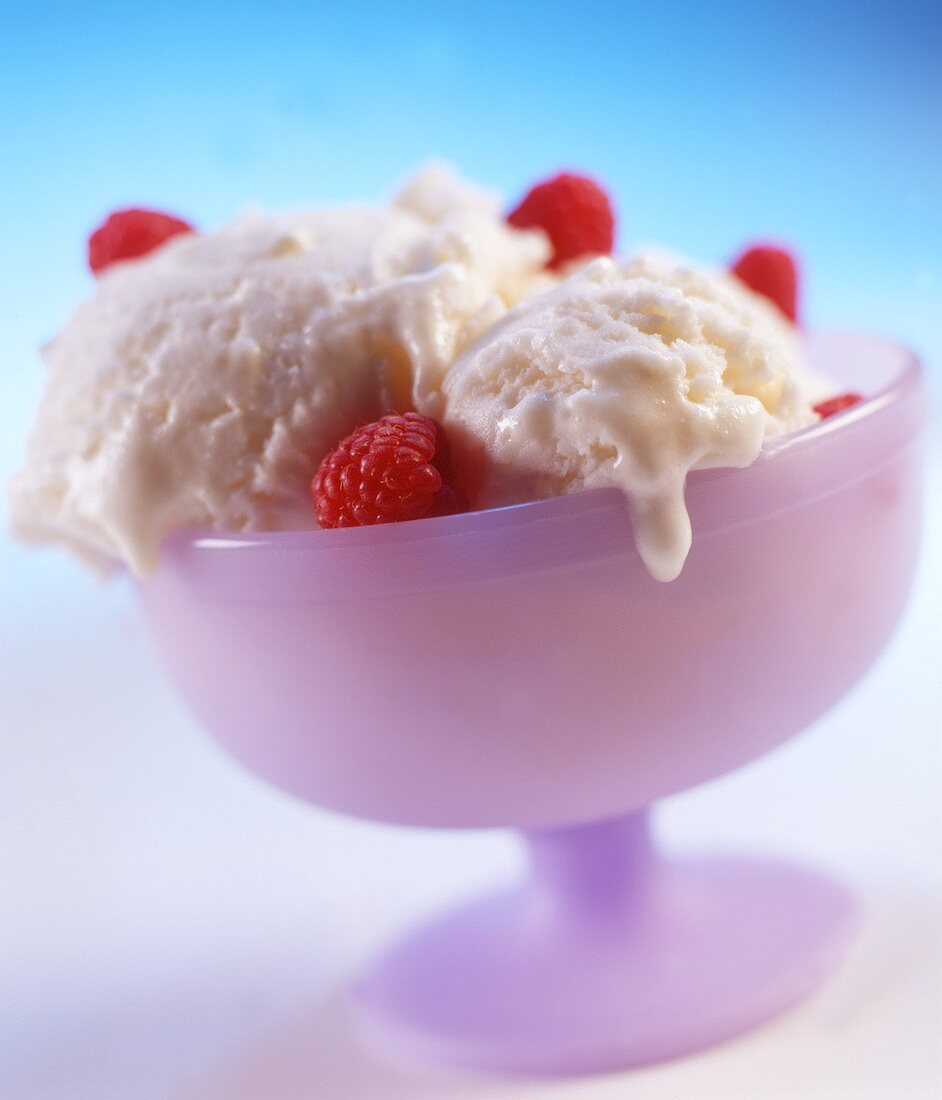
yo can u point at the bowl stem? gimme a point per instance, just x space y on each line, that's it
597 870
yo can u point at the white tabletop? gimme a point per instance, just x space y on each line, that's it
172 927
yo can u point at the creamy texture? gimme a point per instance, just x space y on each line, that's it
202 384
626 375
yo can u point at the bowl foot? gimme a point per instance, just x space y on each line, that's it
607 957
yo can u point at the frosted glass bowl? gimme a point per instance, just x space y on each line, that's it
518 667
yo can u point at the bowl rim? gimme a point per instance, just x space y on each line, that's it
908 380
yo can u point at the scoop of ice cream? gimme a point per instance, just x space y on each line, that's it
626 375
201 385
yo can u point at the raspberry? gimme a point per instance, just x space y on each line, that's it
126 234
773 273
573 211
394 469
837 404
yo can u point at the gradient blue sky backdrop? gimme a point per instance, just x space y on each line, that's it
711 124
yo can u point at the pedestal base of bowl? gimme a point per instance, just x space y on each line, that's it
607 957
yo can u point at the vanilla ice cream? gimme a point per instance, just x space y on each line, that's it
202 384
629 375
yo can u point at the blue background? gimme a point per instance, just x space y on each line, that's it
818 124
161 897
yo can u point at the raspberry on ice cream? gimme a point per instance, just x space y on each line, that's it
834 405
573 211
384 472
127 234
772 272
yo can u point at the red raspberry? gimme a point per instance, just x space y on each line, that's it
773 273
126 234
573 211
393 469
837 404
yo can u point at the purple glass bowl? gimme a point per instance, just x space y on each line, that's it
518 667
